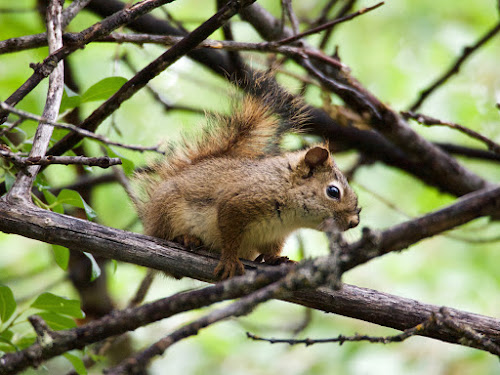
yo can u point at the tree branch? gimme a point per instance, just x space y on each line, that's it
82 132
21 162
328 24
431 121
39 40
21 189
401 236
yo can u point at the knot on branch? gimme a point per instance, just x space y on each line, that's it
45 336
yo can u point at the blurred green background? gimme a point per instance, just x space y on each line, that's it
395 51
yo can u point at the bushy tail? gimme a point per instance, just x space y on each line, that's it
254 129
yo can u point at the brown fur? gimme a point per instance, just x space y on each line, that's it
234 192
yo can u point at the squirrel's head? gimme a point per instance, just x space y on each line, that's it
322 191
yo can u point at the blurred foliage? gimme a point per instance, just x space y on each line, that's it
395 51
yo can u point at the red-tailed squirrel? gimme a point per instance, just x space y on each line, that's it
232 190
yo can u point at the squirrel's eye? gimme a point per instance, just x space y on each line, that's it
333 192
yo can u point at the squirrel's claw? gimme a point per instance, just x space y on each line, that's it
275 260
228 268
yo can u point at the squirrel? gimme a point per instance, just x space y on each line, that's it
234 191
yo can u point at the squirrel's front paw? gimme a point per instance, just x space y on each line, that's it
228 268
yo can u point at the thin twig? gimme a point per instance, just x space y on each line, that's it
341 339
323 16
72 10
401 236
18 10
125 183
327 25
468 151
12 126
287 9
159 97
431 121
455 68
388 203
341 13
22 162
76 129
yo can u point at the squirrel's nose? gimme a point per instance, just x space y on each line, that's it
353 222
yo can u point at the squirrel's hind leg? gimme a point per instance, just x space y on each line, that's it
189 241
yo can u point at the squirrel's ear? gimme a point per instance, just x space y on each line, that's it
316 156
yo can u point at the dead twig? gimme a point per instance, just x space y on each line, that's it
328 25
23 162
431 121
341 339
76 129
455 68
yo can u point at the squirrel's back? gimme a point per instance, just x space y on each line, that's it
252 130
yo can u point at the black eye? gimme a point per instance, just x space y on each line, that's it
333 192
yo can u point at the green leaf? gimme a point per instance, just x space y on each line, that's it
41 182
57 304
77 363
7 303
52 201
103 89
96 270
7 335
70 99
72 198
127 164
9 180
61 256
6 344
24 342
56 321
